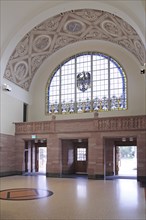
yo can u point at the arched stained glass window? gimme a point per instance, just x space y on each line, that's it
87 82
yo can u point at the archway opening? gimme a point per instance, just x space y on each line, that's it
127 161
74 157
35 156
120 155
42 155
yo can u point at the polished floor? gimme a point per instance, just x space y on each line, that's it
75 199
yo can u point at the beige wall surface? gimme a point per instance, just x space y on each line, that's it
16 23
11 111
136 84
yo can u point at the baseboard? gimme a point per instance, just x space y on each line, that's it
10 173
53 175
96 176
142 180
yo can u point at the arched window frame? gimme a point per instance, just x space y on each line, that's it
89 105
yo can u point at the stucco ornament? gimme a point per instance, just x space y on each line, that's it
64 29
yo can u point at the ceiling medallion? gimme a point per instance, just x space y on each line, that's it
111 28
83 81
74 26
41 43
21 70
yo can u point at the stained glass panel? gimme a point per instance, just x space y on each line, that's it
87 82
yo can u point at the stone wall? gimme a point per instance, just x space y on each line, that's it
100 133
7 155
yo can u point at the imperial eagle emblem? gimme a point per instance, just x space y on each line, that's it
83 81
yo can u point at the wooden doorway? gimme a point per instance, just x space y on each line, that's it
74 156
81 155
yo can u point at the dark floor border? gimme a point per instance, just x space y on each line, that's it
142 180
10 173
120 177
96 176
53 175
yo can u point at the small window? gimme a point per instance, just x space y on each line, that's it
81 154
24 112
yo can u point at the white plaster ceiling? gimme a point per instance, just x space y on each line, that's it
68 27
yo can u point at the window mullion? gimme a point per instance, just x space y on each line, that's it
109 104
60 89
75 104
92 82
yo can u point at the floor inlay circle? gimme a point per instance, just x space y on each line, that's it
18 194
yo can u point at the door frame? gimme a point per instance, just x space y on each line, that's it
114 142
31 154
81 165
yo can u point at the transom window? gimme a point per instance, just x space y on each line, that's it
87 82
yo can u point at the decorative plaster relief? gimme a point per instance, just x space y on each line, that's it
121 124
62 30
32 127
74 27
41 43
101 124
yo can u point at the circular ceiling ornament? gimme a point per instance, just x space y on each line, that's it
41 43
21 70
111 28
74 26
19 194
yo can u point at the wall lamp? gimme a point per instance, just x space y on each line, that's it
6 87
143 69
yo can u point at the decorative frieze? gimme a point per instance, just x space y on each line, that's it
96 124
32 127
121 123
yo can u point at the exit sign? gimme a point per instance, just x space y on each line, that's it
33 136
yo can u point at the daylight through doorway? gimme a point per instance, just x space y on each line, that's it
42 159
127 161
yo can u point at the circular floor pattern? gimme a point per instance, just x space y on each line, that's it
18 194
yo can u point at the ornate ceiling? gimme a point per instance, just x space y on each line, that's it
62 30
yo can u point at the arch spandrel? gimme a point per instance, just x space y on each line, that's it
64 29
